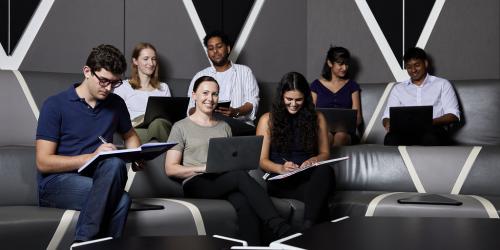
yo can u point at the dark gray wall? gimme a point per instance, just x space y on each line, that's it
166 25
288 35
72 28
277 43
465 43
340 23
18 121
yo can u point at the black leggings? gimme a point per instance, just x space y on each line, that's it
312 186
243 192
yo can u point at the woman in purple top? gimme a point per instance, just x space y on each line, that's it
335 90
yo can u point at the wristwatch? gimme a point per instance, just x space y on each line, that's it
237 113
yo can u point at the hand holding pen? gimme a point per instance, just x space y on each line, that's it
136 165
105 146
288 166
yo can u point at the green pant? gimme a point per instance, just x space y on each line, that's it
158 129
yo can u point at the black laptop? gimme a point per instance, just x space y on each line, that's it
170 108
233 153
340 120
410 119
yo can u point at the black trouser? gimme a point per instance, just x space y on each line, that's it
437 136
243 192
312 186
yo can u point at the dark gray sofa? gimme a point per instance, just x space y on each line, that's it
25 225
368 184
478 100
375 177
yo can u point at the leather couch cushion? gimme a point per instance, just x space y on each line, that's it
18 185
27 227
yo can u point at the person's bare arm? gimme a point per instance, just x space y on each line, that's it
244 109
174 168
48 161
356 104
314 97
386 123
446 119
323 143
132 140
265 163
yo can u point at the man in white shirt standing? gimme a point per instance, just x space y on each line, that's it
420 90
237 84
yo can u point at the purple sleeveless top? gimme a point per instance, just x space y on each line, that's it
328 99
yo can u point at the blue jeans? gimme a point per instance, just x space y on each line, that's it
100 197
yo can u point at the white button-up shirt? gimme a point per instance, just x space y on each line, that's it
434 91
237 84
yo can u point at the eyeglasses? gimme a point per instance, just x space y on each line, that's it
103 82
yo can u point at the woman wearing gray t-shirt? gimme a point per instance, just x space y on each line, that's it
187 161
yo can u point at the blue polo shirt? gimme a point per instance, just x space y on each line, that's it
69 121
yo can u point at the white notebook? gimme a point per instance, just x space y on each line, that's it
282 176
147 151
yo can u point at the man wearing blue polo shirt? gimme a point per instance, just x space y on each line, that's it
68 134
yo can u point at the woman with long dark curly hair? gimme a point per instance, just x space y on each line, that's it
295 136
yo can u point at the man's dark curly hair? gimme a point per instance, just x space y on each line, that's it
216 33
306 118
107 57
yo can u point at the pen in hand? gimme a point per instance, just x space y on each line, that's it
102 139
136 165
291 166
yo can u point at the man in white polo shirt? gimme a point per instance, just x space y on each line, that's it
236 82
422 89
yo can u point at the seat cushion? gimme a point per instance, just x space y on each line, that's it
28 227
182 216
377 203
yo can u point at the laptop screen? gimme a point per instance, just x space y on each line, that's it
410 119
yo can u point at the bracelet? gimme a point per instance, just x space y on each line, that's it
237 113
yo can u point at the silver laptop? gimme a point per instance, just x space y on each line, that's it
340 120
233 153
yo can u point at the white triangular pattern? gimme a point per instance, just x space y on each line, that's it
398 73
27 93
14 61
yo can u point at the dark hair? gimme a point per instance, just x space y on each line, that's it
107 57
335 55
135 82
414 53
306 118
216 33
201 79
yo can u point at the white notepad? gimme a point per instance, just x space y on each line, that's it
147 151
282 176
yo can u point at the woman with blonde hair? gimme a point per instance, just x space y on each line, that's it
143 83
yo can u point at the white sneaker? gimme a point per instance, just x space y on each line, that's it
77 244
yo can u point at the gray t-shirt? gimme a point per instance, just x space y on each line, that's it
193 139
